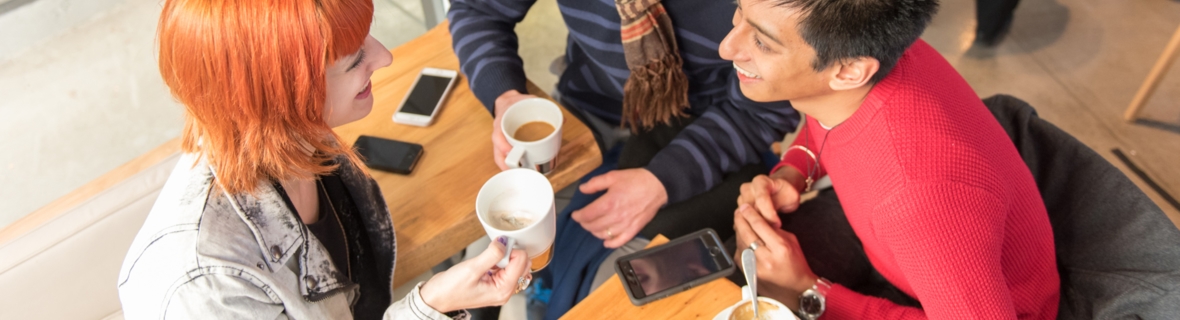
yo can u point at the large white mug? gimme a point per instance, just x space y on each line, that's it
539 154
518 204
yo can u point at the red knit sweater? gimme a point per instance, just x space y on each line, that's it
945 207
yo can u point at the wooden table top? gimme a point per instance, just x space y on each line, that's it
433 208
704 302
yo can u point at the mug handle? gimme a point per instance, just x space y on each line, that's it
503 263
514 157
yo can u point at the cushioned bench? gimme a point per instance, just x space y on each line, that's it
62 261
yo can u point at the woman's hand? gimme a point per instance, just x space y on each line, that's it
783 273
476 282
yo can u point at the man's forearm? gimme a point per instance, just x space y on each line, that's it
484 39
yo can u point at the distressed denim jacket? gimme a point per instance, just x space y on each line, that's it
205 254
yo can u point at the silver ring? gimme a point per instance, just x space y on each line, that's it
754 245
523 282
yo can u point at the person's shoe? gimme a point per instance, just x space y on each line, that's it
993 38
537 299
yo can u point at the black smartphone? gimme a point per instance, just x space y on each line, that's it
388 155
654 273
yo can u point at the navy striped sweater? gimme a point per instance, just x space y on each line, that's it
730 131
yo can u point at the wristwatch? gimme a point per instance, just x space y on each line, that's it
813 301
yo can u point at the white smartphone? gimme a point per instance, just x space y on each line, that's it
426 96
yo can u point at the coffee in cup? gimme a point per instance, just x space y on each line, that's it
533 128
533 131
768 309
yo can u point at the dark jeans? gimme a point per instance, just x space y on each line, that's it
993 15
712 209
833 250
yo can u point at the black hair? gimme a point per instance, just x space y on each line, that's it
849 29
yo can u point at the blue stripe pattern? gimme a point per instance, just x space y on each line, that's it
730 132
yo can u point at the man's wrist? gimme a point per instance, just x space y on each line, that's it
662 193
806 284
792 176
502 103
813 301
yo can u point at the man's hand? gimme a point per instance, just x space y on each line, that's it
476 282
632 198
500 146
769 196
783 273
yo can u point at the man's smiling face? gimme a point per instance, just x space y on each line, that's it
772 61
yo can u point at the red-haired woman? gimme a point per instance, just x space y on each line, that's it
268 214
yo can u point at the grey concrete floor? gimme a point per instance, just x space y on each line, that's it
1079 62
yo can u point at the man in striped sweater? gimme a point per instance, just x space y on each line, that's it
669 179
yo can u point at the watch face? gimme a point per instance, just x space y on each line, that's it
811 304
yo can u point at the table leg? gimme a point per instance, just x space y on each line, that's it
1153 79
433 12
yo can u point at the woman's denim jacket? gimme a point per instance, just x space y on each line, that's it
206 254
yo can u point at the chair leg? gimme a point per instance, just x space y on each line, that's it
1153 79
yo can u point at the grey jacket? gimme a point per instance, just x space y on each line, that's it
1118 254
205 254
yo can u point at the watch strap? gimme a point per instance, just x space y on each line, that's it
816 295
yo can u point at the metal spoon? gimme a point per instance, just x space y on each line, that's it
751 271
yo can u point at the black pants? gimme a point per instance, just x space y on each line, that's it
833 250
992 15
712 209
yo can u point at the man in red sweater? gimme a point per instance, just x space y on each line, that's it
946 210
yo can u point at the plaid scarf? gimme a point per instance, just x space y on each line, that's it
657 90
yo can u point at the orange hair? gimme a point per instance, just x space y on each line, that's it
251 75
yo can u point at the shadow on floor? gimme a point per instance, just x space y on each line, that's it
1041 24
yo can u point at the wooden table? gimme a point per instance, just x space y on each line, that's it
433 209
704 302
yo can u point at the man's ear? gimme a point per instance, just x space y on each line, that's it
853 73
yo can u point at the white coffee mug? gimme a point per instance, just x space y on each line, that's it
518 204
539 155
742 309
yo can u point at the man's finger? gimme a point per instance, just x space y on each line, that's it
763 231
599 183
593 211
766 208
602 218
500 146
620 239
741 227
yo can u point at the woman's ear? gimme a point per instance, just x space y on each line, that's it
854 73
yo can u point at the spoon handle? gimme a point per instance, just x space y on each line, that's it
751 271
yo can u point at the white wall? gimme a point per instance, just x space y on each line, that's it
37 21
79 95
